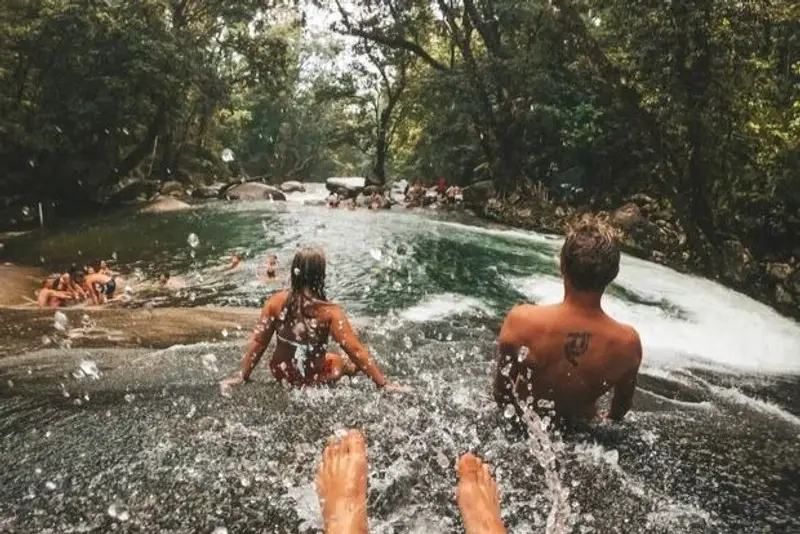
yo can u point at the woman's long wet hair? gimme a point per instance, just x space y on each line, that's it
308 285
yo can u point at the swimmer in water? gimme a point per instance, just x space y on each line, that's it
342 490
303 318
236 262
270 272
570 354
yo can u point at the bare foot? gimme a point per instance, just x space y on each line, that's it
342 485
478 498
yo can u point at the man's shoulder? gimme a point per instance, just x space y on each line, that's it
628 339
530 312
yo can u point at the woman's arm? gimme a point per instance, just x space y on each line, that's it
358 353
262 334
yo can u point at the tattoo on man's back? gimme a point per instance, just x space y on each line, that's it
577 344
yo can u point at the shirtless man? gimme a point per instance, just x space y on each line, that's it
56 291
570 354
100 287
342 490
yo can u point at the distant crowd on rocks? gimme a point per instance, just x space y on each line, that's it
346 193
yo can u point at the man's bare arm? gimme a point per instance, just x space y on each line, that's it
626 387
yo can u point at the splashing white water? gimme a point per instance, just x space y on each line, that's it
443 305
715 327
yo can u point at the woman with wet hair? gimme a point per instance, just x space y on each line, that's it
302 318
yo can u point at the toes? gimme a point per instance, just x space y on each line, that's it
469 465
354 443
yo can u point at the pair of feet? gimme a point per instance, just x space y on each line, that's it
342 489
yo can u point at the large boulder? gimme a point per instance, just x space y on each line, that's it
779 272
346 187
140 189
207 191
292 186
628 217
164 204
252 191
478 194
173 188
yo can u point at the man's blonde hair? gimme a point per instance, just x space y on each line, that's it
590 255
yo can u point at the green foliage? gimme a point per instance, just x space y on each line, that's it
694 101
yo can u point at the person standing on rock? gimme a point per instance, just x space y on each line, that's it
303 318
572 353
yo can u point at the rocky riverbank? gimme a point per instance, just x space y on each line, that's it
649 230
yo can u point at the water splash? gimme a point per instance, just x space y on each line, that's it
119 511
193 240
87 369
60 321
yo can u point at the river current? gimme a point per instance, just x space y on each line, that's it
110 439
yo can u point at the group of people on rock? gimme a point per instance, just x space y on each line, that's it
98 285
418 195
561 358
375 201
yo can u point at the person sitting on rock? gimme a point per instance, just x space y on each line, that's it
303 318
65 287
100 287
333 200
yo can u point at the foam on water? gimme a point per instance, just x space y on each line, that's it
517 234
441 306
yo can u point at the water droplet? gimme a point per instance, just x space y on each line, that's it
87 369
10 383
522 355
192 411
125 131
506 370
227 155
407 342
509 411
193 240
209 362
31 163
220 530
296 271
60 321
442 460
129 397
376 254
26 211
38 470
119 511
46 340
114 256
245 482
224 332
50 485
